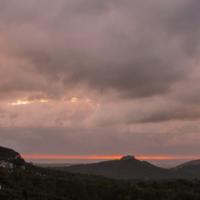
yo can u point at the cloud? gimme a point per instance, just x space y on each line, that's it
102 44
13 116
103 50
96 69
154 110
169 140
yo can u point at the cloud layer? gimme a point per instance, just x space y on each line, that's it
125 64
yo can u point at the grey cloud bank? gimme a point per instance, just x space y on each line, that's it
73 141
127 62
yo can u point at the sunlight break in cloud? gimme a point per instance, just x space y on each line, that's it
26 102
136 61
74 99
19 103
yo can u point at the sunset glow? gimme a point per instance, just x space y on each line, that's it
26 102
74 99
108 157
19 103
69 157
43 101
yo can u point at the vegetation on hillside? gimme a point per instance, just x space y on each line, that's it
190 168
27 185
37 183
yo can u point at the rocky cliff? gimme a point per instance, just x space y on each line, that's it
10 159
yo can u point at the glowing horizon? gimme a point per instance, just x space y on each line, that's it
107 157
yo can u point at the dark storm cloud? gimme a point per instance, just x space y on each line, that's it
129 47
184 24
185 20
132 68
105 51
179 113
144 111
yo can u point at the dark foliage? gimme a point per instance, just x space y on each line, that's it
37 183
28 185
6 153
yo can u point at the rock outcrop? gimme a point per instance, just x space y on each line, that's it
128 157
10 159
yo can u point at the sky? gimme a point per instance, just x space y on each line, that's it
100 77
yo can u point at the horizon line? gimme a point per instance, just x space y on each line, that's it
108 157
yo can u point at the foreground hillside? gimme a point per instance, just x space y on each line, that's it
36 183
11 159
20 185
128 168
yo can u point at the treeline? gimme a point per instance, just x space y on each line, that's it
27 185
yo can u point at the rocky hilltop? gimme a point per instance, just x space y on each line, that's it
128 167
10 159
127 157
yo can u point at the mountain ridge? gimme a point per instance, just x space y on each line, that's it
127 168
38 183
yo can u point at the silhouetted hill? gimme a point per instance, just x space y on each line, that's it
11 159
128 168
191 166
6 153
38 183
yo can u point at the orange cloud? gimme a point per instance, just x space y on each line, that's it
107 157
69 157
166 157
